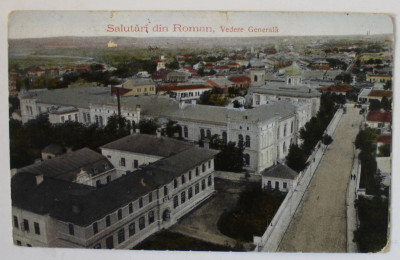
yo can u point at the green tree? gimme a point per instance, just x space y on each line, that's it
148 126
386 104
172 129
374 104
388 85
296 158
384 150
230 158
327 139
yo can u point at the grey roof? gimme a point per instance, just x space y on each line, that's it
67 166
286 90
280 171
138 82
221 115
148 144
57 197
53 149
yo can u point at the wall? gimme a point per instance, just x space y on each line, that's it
270 240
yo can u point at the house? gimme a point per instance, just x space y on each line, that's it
133 151
383 140
135 86
337 89
379 119
184 92
378 78
240 81
61 208
221 83
379 94
279 177
177 76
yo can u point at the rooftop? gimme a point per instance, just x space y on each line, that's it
380 116
148 144
280 171
386 139
283 89
337 88
380 93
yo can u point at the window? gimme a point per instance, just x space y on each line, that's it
203 168
291 127
84 117
95 228
240 137
121 236
285 185
151 217
183 180
196 188
37 228
165 190
26 225
190 175
69 118
122 163
176 203
132 229
62 119
185 132
98 183
130 208
209 180
247 141
202 133
88 117
101 121
246 158
16 222
284 130
71 229
175 183
135 163
183 197
224 137
277 133
203 184
108 221
190 193
277 185
150 197
141 223
76 117
140 202
269 185
284 147
119 214
208 133
108 179
209 164
110 242
197 171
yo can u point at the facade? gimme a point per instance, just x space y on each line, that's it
184 92
279 177
138 86
378 78
379 119
51 211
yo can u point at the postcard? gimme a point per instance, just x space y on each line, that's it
201 130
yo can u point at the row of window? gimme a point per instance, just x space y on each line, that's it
25 225
269 185
190 191
247 143
131 231
284 129
183 177
122 162
69 118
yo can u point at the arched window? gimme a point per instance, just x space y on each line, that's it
240 140
284 147
247 141
277 134
101 121
208 133
291 127
202 133
246 160
97 119
284 130
224 137
185 131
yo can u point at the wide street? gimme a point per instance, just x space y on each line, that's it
320 223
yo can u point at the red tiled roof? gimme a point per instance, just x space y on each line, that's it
380 93
386 139
239 79
337 88
222 67
380 116
181 87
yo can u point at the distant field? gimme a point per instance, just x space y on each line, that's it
45 62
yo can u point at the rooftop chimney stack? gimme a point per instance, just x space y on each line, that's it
39 179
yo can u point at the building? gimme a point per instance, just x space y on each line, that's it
178 76
136 87
240 81
184 92
379 119
337 89
378 78
279 177
59 206
62 114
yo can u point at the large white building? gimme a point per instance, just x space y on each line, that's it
265 131
60 203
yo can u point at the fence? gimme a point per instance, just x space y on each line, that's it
272 237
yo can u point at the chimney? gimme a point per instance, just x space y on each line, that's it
206 143
39 179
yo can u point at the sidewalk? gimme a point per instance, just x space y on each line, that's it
351 212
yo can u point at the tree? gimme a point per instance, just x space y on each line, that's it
374 104
230 158
345 78
172 128
327 139
384 150
386 104
296 159
148 126
388 85
173 65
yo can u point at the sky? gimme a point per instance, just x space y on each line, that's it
36 24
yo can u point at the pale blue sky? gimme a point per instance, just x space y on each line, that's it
31 24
